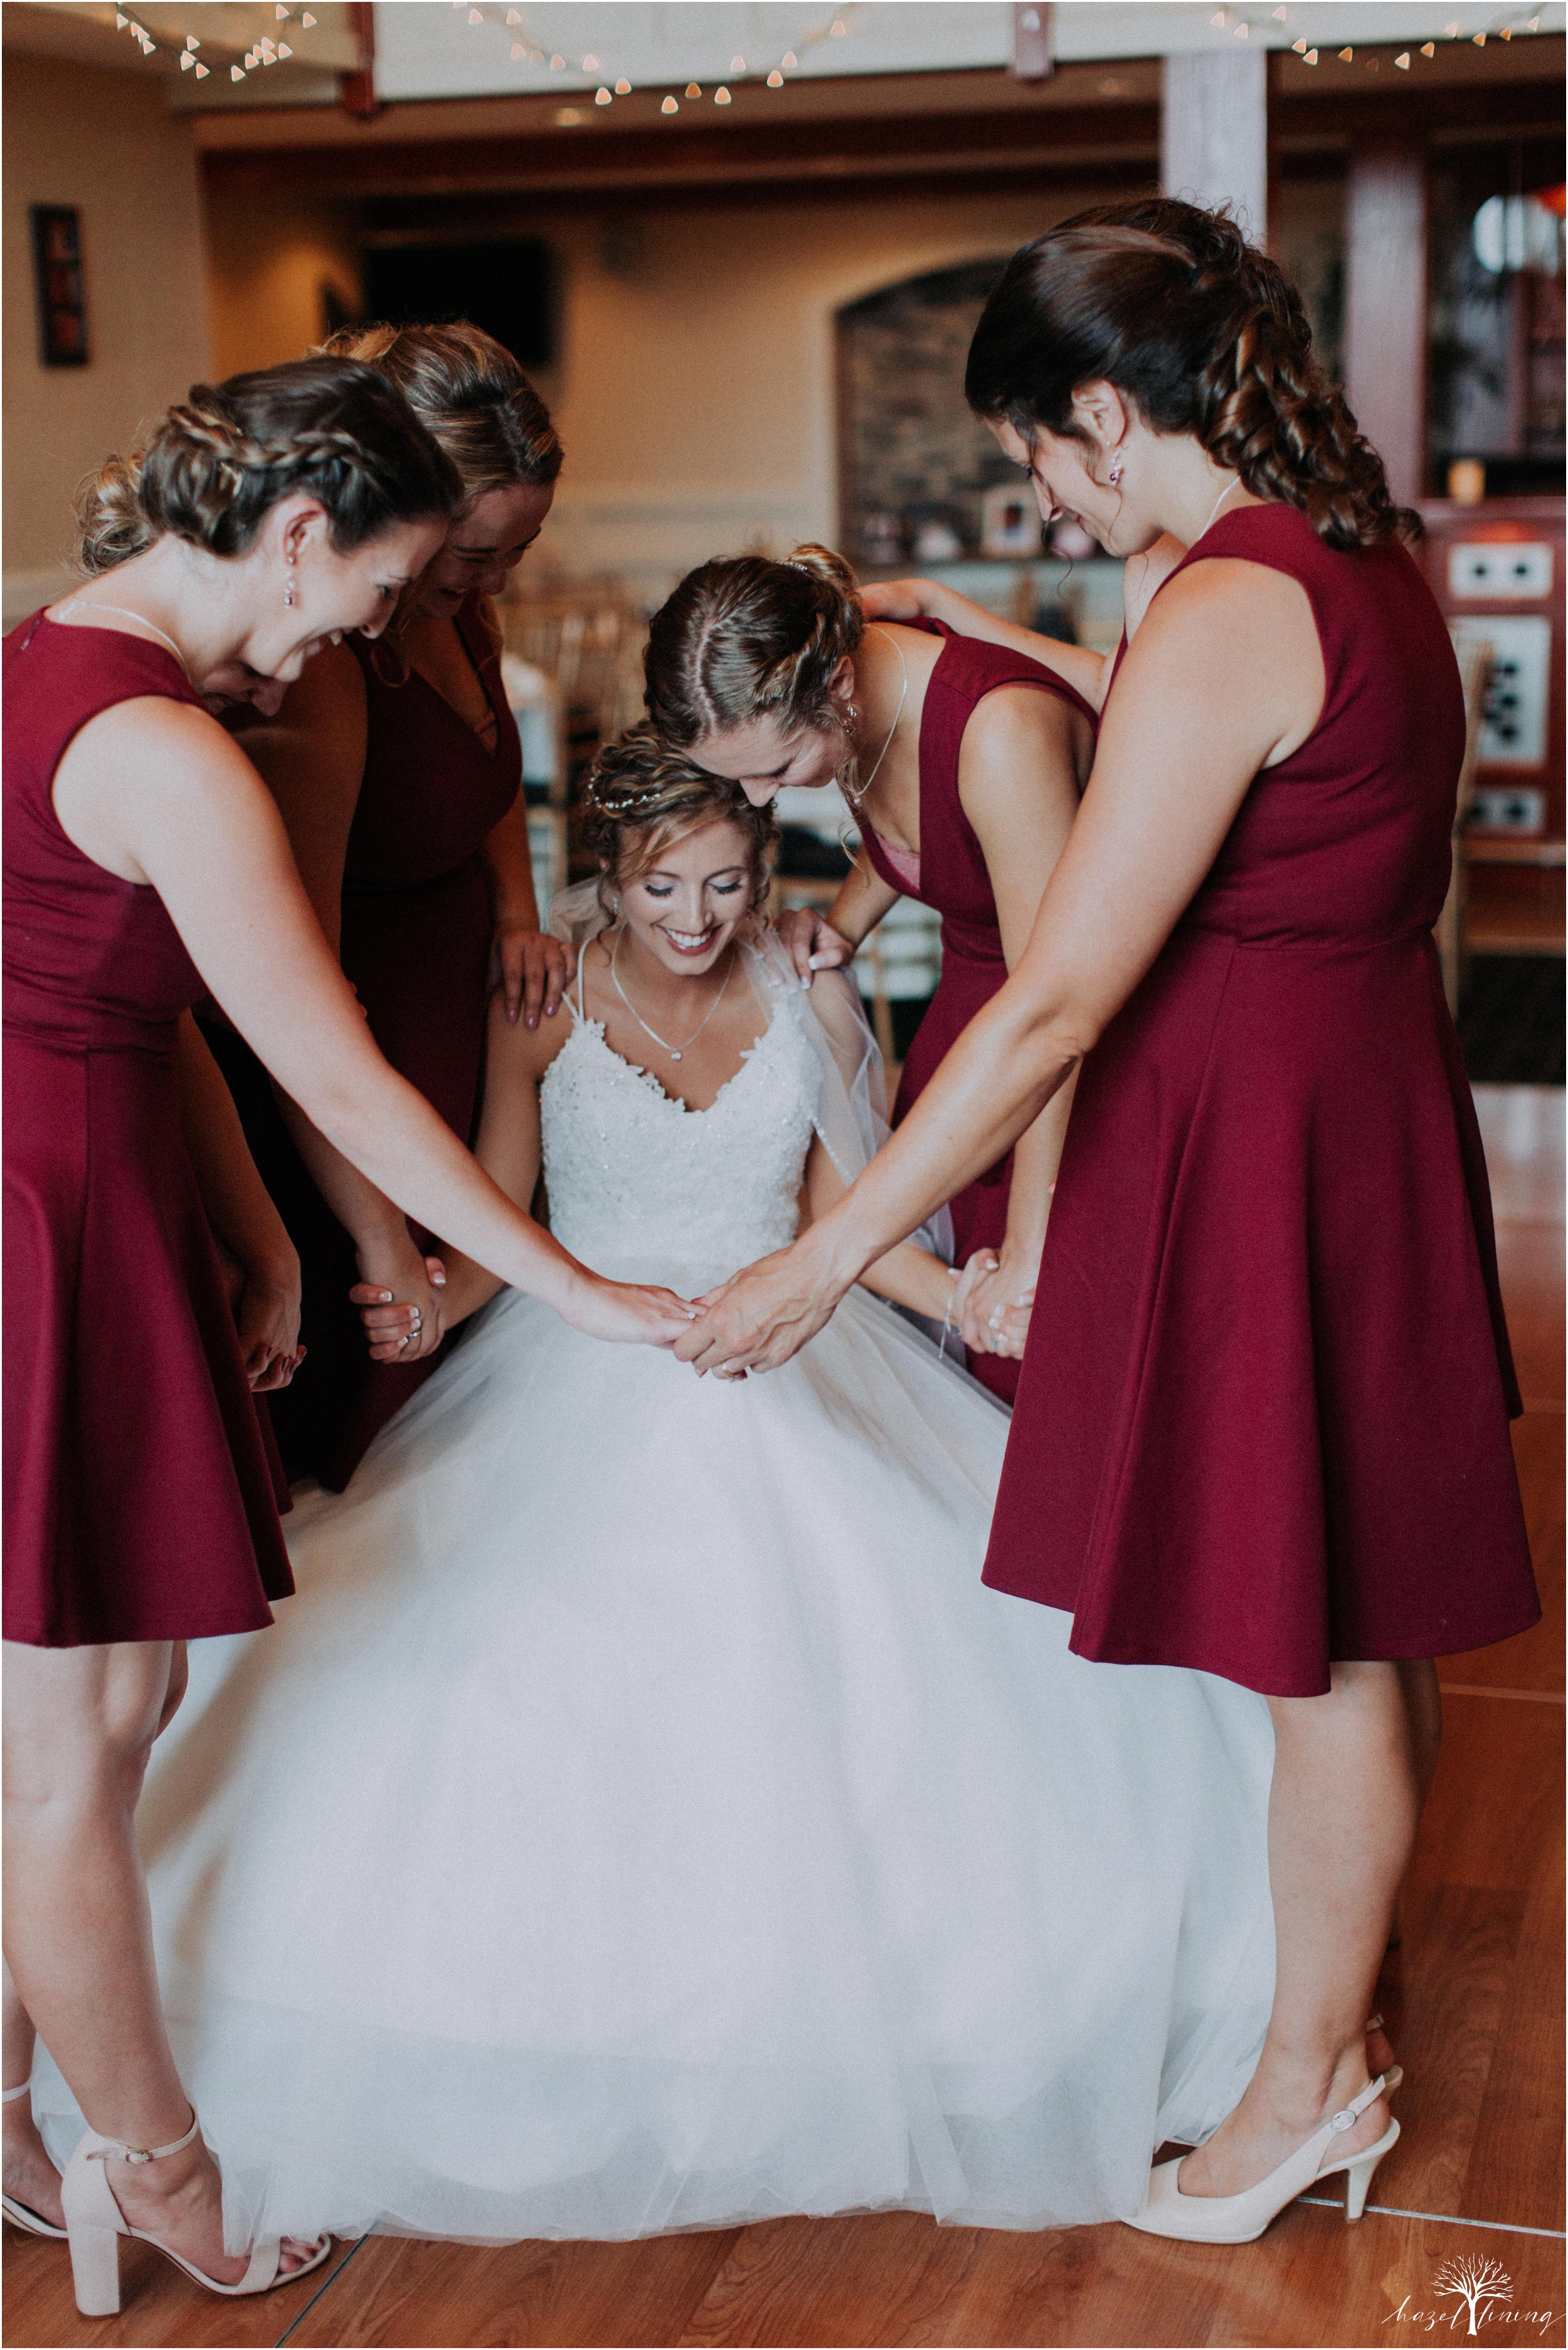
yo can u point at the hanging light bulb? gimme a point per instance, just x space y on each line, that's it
1403 61
602 98
720 95
775 79
693 89
623 88
669 107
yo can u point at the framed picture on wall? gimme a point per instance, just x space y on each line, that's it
61 293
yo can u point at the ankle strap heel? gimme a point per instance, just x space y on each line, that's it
95 2224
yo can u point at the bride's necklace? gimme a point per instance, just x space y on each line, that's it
857 798
123 612
674 1051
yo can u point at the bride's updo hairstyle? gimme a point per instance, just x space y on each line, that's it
642 797
1204 334
221 460
744 638
470 396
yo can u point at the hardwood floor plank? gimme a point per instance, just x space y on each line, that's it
1459 1963
1517 2162
1496 1806
1532 1660
414 2295
1529 1259
160 2305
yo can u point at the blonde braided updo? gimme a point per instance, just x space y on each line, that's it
1205 334
744 638
220 460
641 796
470 396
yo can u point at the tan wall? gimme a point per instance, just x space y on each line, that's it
696 391
694 386
270 257
108 143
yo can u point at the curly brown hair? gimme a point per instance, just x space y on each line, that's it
746 638
1206 334
642 796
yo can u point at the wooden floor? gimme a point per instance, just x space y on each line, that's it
1474 2000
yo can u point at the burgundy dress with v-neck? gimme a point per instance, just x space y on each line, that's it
949 875
416 936
1262 1424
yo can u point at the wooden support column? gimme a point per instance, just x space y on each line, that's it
1385 308
1214 131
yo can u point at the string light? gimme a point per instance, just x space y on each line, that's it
720 95
623 88
775 79
669 107
789 59
1403 60
602 98
737 65
693 89
1428 48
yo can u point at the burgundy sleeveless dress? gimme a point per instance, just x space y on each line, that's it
1263 1418
138 1500
417 928
949 875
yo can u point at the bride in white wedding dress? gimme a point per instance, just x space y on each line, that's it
643 1818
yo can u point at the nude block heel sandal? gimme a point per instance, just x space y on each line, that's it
1241 2218
22 2215
95 2224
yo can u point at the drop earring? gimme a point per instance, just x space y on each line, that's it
290 596
1115 468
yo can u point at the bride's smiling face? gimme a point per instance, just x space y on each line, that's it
686 907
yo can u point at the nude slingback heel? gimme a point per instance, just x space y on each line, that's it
95 2224
22 2215
1241 2218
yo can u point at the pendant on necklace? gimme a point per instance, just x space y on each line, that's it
675 1056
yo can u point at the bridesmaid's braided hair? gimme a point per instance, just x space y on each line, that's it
1205 334
470 396
744 638
642 796
218 462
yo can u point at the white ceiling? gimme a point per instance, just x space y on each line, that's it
429 48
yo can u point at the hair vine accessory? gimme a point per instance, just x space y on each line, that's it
627 803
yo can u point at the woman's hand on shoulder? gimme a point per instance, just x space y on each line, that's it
531 969
900 599
812 944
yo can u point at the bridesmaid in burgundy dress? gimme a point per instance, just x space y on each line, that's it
145 866
971 759
1262 1426
397 769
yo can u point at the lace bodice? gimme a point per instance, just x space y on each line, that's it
639 1185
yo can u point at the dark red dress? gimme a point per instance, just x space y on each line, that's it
417 928
138 1501
1263 1417
953 880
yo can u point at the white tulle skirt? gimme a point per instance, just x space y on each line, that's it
643 1819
